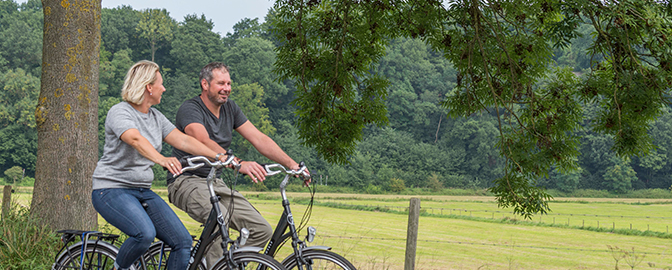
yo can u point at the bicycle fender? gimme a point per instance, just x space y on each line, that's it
317 248
248 249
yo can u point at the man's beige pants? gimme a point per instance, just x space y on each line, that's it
190 193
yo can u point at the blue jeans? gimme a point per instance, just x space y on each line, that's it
122 207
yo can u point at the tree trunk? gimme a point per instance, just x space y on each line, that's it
67 115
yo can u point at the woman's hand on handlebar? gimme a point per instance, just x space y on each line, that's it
254 170
171 164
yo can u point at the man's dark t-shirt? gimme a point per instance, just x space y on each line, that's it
219 129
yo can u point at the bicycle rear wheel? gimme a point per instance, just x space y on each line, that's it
96 257
249 260
319 259
155 259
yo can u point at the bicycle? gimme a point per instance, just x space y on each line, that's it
100 254
98 249
310 257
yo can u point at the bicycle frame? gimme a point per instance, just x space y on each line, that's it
210 233
287 221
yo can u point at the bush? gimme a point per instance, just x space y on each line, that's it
259 186
373 189
397 185
24 244
27 182
434 183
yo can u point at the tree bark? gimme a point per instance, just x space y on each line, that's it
67 115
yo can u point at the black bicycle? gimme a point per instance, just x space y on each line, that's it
96 251
303 256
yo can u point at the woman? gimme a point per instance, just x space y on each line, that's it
123 177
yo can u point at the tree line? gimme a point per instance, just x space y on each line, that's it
418 146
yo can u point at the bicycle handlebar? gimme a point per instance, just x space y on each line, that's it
273 169
189 164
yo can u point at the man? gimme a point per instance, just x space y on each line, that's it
211 118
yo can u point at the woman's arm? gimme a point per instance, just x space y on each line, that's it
190 145
144 147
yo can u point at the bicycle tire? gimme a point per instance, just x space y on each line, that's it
98 256
155 260
319 259
249 260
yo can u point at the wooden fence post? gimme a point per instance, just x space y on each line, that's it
6 200
412 233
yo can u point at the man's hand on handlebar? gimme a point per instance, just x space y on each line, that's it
306 179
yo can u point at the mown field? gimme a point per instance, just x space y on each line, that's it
464 232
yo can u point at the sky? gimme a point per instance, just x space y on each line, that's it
223 13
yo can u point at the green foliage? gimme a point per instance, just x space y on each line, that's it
529 100
372 189
157 27
18 98
159 175
117 27
434 183
249 97
397 185
503 54
245 28
112 73
18 148
24 244
194 45
15 174
620 176
251 61
21 32
259 186
337 95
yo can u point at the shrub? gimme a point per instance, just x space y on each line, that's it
27 182
434 183
259 186
397 185
24 244
372 189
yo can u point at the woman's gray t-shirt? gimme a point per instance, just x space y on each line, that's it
121 166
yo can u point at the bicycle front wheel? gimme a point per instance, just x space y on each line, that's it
319 259
96 257
249 260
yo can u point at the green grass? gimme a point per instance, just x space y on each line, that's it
461 242
376 239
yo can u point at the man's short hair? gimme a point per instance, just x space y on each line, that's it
206 71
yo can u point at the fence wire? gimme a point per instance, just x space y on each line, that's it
483 244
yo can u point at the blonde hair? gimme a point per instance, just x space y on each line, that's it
137 78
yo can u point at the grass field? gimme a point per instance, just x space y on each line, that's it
451 239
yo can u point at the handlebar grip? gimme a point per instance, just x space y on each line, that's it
183 161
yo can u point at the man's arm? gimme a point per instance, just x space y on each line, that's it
198 131
265 145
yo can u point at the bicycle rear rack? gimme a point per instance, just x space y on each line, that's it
69 236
